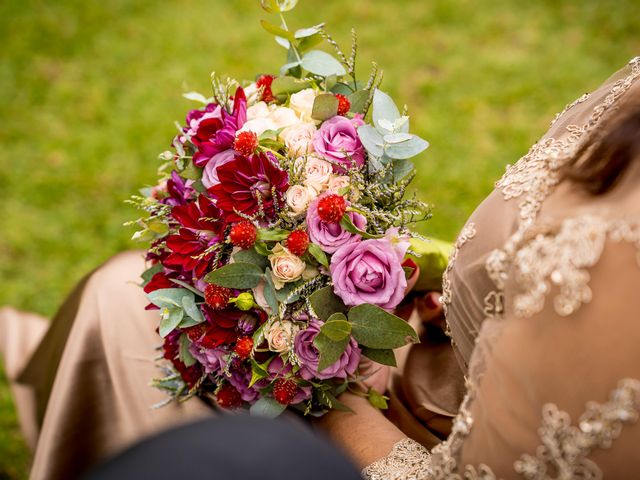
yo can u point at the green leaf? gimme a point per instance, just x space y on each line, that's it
253 257
382 356
267 407
270 292
402 168
262 249
258 371
377 399
148 274
168 297
309 42
359 101
277 31
187 322
171 318
273 234
332 402
384 108
406 149
308 32
321 63
185 354
349 226
337 328
325 106
432 258
288 85
374 327
236 275
187 286
191 309
317 253
284 293
325 303
371 139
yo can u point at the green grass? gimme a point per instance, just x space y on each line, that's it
90 91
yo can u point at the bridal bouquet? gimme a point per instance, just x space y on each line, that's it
279 232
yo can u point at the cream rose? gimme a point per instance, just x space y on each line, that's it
299 138
302 103
258 125
259 110
317 173
285 266
281 334
338 182
298 198
283 117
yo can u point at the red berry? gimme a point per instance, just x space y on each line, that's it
246 143
265 82
228 397
343 104
243 234
331 208
297 242
284 391
217 297
196 332
244 346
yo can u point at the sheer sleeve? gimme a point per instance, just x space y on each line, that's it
553 388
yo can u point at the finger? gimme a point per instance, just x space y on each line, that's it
413 279
429 307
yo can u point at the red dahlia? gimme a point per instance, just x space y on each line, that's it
264 82
243 234
246 143
284 391
344 105
217 297
244 346
249 185
298 242
228 397
332 208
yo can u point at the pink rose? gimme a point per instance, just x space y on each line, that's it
330 236
337 140
210 172
370 271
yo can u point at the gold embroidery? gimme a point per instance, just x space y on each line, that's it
582 99
564 449
467 233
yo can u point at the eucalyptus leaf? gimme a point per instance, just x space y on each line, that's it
317 253
148 274
251 256
236 275
307 32
185 355
187 286
384 108
197 97
325 303
371 139
325 106
171 318
406 149
191 309
402 168
288 85
167 297
394 138
267 407
359 100
382 356
187 322
342 88
283 42
321 63
277 31
273 234
374 327
329 350
309 42
285 68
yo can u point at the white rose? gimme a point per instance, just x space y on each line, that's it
285 266
258 126
298 198
259 110
283 117
299 138
338 182
280 335
302 103
317 173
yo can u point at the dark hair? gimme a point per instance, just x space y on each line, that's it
602 160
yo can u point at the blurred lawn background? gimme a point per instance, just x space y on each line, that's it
90 90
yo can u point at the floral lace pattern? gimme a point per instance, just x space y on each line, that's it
407 460
467 234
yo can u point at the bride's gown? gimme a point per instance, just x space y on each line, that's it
542 305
